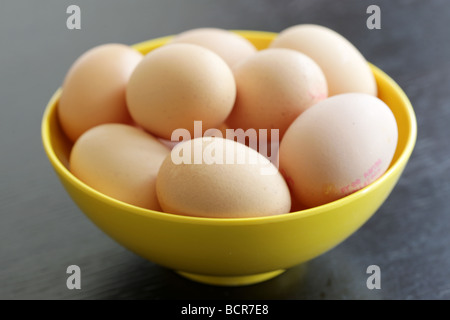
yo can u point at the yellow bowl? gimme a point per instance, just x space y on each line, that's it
234 251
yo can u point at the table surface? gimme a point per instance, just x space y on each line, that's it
42 231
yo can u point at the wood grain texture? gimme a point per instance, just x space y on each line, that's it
42 231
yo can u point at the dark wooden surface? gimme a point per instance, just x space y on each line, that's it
42 231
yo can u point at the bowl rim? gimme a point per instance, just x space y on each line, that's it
62 171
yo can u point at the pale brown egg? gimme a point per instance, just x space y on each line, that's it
230 46
337 147
274 86
178 84
119 161
219 178
344 66
94 88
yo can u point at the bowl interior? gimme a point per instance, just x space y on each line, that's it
58 146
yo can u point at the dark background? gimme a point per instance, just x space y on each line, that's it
42 232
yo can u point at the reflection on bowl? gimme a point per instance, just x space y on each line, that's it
234 251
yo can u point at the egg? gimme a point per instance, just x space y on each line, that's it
337 147
177 84
220 178
274 86
344 66
120 161
93 91
230 46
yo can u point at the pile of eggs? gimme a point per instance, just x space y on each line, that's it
174 130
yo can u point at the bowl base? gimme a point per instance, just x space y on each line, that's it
231 280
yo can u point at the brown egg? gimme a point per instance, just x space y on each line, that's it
119 161
344 66
219 178
274 86
230 46
338 146
94 88
178 84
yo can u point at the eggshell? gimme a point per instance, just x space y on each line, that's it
344 66
219 178
94 88
178 84
120 161
274 86
230 46
337 147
